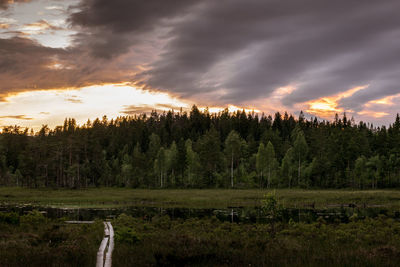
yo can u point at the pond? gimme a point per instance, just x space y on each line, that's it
233 214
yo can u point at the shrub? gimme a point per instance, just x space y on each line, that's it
9 218
127 235
33 218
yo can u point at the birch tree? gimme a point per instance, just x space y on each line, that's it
232 150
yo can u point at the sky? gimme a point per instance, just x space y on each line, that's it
89 58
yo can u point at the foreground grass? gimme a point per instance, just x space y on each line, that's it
209 242
195 198
33 240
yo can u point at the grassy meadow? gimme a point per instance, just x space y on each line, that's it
195 198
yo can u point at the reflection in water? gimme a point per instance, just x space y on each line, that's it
232 214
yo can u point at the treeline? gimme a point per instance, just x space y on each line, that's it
203 150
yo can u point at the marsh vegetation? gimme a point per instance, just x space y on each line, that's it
33 239
277 232
107 197
210 242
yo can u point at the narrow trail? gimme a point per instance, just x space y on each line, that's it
104 254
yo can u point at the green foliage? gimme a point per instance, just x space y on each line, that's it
270 206
288 168
261 162
32 219
127 235
9 218
49 243
209 242
300 148
271 165
125 220
233 147
203 150
193 165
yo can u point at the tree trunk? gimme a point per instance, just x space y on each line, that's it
269 176
232 170
47 176
299 172
188 176
79 175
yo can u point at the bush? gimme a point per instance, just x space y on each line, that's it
126 235
9 218
33 219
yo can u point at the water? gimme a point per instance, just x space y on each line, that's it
234 214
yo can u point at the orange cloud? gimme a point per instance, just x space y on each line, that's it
4 26
378 104
231 108
327 107
388 100
374 114
16 117
38 27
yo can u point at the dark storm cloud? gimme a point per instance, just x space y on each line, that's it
23 64
322 46
105 31
233 51
111 27
26 65
384 84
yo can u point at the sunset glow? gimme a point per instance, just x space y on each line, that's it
383 101
327 107
112 100
80 59
231 108
374 114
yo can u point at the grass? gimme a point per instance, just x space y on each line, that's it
33 240
209 242
194 198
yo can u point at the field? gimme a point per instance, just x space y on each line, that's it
31 239
196 198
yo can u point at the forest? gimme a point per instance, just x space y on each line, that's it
198 149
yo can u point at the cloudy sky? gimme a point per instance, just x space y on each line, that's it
90 58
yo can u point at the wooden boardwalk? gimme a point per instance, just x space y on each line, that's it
104 255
